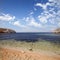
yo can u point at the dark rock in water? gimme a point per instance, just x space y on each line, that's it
57 31
5 30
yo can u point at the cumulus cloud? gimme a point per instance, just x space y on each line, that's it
27 19
51 3
44 6
55 1
17 23
50 15
32 22
46 16
6 17
42 19
11 19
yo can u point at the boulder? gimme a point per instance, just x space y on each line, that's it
5 30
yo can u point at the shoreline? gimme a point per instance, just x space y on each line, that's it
14 54
22 50
49 53
32 46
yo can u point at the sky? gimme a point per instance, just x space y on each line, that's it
30 15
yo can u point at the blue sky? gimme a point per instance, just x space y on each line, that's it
30 15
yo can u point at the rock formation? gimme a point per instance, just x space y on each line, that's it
57 30
5 30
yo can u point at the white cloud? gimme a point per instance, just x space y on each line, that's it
6 17
32 22
31 12
59 24
27 19
42 19
50 14
58 13
17 23
54 3
51 0
41 5
44 6
45 16
52 21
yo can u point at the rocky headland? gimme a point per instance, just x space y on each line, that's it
57 31
6 30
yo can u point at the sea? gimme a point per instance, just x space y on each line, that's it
31 36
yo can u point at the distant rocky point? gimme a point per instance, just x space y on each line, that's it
57 30
5 30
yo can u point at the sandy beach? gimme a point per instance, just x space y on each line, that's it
17 54
11 54
17 50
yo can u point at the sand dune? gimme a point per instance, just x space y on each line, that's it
14 54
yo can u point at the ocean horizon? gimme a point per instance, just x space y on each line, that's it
31 36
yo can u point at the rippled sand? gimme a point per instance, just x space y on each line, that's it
14 54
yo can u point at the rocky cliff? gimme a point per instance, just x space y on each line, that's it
5 30
57 30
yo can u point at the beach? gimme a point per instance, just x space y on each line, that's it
29 29
17 50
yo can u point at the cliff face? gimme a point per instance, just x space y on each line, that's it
57 30
4 30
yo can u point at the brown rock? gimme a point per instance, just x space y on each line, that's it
57 30
5 30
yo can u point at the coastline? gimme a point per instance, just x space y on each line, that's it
14 47
12 54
